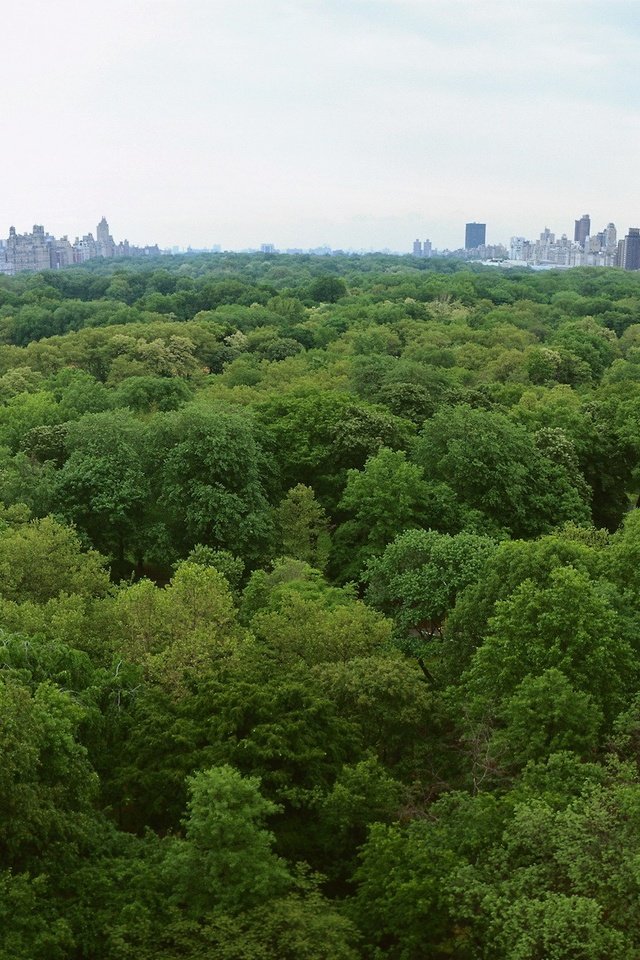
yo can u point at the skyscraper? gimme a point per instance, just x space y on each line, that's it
474 235
423 250
102 232
629 250
105 245
610 236
582 229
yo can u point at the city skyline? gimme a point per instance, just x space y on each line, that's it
319 121
30 252
42 250
215 244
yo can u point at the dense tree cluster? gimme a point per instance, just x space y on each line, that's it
319 611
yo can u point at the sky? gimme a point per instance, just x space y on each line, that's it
352 123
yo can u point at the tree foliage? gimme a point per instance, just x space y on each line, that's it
319 616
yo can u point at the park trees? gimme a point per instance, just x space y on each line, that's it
303 527
104 484
317 436
211 481
349 614
418 577
388 495
496 467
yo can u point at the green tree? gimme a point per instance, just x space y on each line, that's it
46 785
570 625
211 488
386 497
386 697
43 558
303 527
306 629
226 858
177 631
327 289
316 436
494 466
546 715
420 574
513 563
104 486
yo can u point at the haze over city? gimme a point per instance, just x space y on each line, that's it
360 124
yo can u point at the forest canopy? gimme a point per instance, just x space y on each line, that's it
319 611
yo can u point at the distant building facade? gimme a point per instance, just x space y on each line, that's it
475 235
629 250
489 251
31 252
63 254
610 236
422 249
599 250
26 252
104 241
582 229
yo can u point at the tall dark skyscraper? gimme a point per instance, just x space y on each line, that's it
629 250
474 235
583 229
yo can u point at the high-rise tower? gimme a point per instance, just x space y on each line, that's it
102 231
474 235
610 236
105 246
582 229
629 251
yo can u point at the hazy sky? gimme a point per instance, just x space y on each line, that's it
359 123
